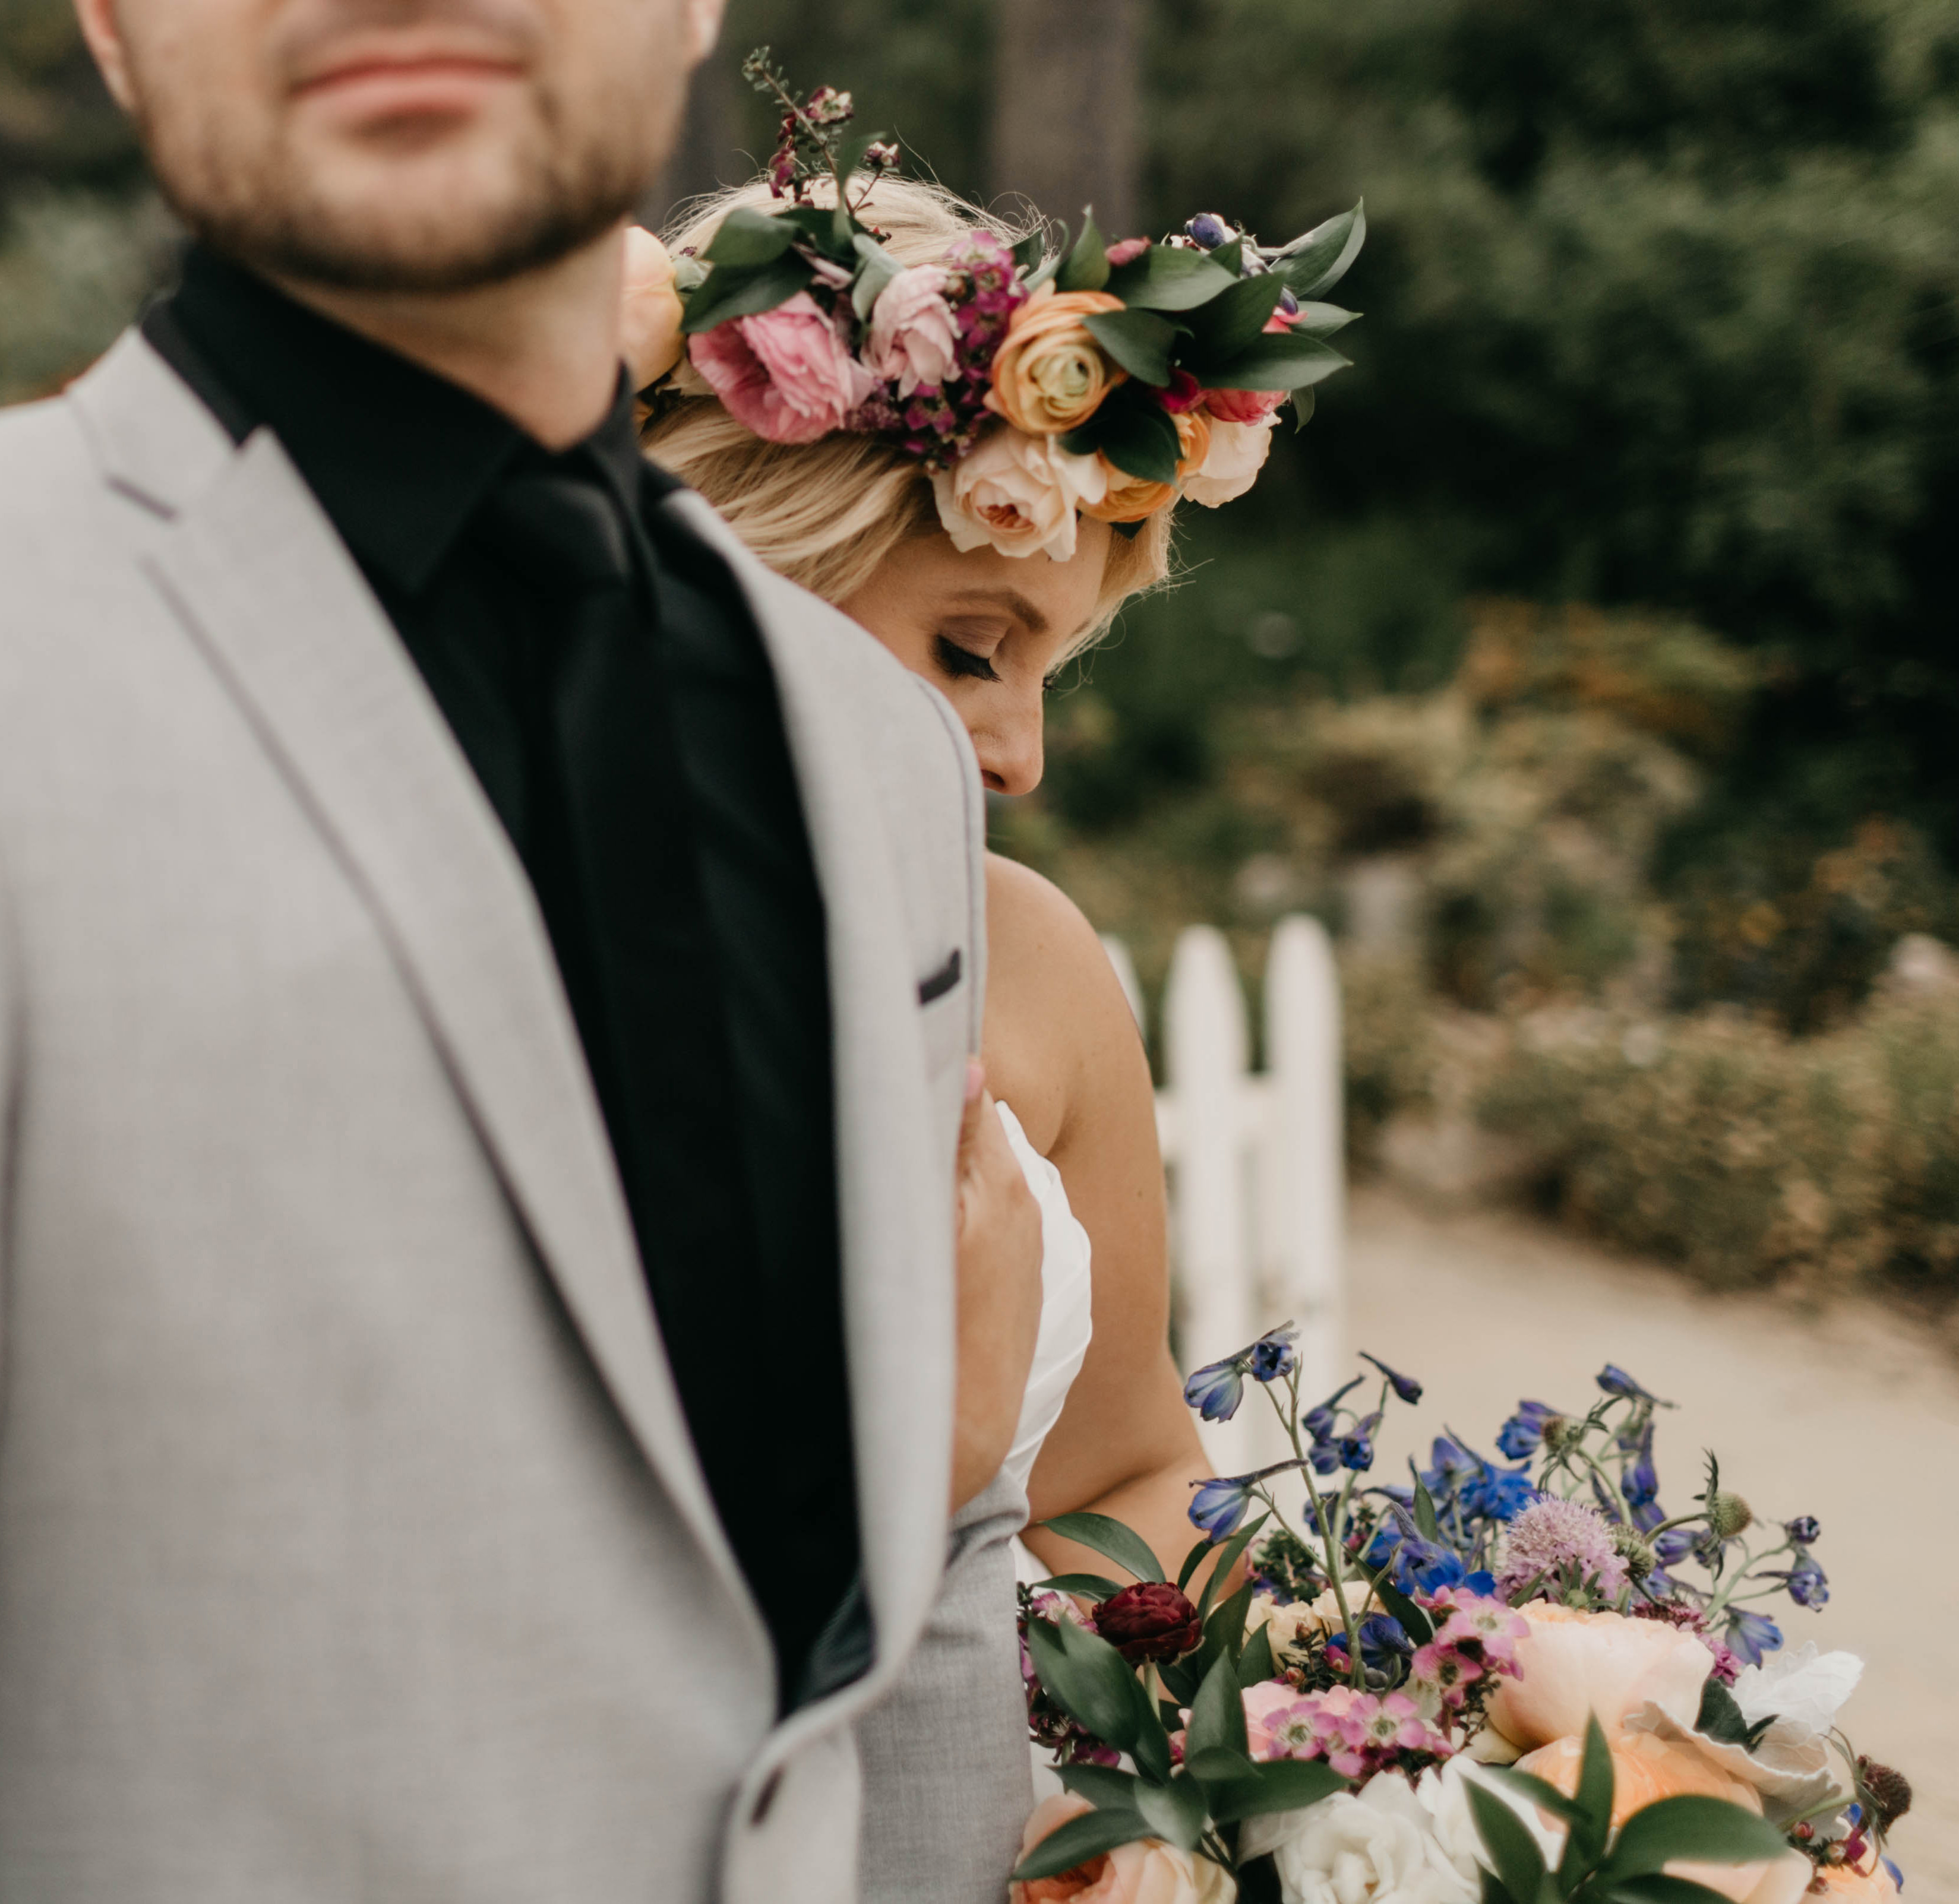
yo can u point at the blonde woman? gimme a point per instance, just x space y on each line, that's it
915 438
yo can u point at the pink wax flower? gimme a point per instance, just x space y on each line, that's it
913 339
787 374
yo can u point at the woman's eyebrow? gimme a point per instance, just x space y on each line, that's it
1016 605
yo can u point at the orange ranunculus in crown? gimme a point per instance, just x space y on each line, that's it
1050 376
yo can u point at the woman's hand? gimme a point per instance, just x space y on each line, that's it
999 1295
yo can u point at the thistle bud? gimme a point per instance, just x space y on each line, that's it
1562 1434
1633 1547
1728 1514
1889 1791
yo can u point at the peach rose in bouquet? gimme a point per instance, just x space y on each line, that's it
1146 1870
1050 376
1018 494
1574 1664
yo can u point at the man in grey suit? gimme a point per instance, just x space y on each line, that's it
489 1329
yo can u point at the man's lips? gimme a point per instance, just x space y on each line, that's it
382 86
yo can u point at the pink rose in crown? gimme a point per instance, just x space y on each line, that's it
913 338
788 374
1243 406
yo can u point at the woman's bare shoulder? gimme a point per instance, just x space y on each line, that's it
1040 941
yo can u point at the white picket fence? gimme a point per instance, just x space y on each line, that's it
1255 1159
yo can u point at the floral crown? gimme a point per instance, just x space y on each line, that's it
1034 386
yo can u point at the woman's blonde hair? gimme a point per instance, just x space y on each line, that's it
827 514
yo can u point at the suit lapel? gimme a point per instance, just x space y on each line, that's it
254 570
897 1288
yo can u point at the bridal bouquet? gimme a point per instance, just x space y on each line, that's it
1514 1678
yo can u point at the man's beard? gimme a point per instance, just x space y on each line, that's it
559 196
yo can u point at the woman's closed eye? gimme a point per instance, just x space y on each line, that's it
962 664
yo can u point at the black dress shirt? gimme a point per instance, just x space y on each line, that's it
609 687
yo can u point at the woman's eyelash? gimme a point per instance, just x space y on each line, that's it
963 663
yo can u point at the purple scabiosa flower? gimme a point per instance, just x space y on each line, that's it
1553 1538
1219 1504
1523 1433
1615 1382
1272 1355
1215 1390
1356 1447
1750 1635
1803 1530
1404 1386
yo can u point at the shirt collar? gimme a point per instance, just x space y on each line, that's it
399 457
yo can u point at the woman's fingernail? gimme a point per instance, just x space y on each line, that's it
976 1079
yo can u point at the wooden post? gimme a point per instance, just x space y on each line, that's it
1205 1051
1067 78
1302 1181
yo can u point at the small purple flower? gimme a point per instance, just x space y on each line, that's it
1208 230
1272 1355
1640 1479
1215 1390
1808 1584
1219 1504
1319 1422
1803 1530
1615 1382
1404 1386
1750 1635
1523 1433
1357 1448
1288 303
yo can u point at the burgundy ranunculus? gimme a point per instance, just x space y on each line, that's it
1150 1621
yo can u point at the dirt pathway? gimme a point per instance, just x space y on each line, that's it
1851 1417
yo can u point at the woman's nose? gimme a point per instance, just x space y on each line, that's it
1010 750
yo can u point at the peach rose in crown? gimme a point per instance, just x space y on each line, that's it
787 374
650 339
1573 1664
913 338
1237 453
1147 1872
1018 494
1645 1769
1049 375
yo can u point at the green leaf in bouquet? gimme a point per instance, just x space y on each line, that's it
1126 1548
1425 1523
1029 253
1275 362
876 268
1090 1586
1414 1622
1233 321
1319 261
1591 1815
1658 1888
1192 1561
1722 1718
1230 257
745 290
1322 320
1086 267
1256 1662
1219 1765
1539 1791
1280 1785
1709 1831
1100 1785
746 237
1176 1811
1227 1558
1181 1678
1304 403
1078 1840
1218 1713
1227 1625
1508 1841
1168 278
1135 432
1493 1889
1140 341
1091 1682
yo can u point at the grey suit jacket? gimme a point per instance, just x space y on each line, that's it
351 1543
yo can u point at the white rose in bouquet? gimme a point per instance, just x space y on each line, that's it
1377 1846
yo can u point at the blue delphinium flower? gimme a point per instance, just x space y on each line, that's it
1404 1386
1273 1355
1498 1494
1639 1478
1615 1382
1452 1464
1750 1635
1523 1433
1325 1456
1803 1530
1318 1422
1215 1390
1382 1642
1808 1584
1219 1504
1357 1446
1673 1546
